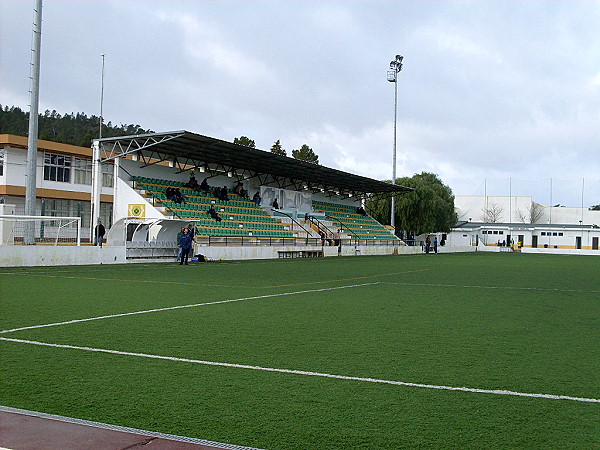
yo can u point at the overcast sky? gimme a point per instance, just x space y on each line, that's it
496 96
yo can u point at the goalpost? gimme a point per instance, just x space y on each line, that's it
54 230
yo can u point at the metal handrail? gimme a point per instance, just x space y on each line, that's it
320 225
308 233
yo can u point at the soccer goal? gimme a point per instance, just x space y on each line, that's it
46 229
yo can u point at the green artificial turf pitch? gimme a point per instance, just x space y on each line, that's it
514 322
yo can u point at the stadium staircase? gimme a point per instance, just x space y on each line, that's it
354 225
240 217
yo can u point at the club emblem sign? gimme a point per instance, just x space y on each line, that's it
136 211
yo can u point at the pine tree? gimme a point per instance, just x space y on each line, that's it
245 141
305 153
278 149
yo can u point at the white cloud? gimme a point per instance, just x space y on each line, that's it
206 43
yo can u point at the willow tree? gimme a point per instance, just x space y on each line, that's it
427 209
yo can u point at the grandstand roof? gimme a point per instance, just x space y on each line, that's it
191 151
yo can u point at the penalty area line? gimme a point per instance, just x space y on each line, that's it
195 305
309 373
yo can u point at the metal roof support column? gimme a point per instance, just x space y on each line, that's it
117 164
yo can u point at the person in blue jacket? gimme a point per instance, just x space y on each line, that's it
185 242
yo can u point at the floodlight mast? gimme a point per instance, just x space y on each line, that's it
392 77
32 137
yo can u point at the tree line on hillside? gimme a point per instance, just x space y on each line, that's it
74 128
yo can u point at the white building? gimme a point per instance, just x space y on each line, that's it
63 180
502 220
519 209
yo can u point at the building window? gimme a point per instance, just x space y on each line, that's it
560 234
501 232
107 175
1 161
82 209
543 233
57 167
57 208
106 210
82 171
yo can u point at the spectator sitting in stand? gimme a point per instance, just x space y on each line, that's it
224 195
170 193
238 189
360 210
214 213
178 197
275 204
217 193
257 198
193 184
204 187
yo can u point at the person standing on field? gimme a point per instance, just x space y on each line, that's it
185 242
99 232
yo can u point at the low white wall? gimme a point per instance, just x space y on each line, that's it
560 251
50 255
459 249
238 253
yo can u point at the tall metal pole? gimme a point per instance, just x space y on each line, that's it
396 66
32 143
96 166
393 214
102 97
582 191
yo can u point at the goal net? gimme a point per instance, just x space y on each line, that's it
46 229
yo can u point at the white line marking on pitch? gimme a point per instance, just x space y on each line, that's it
491 287
313 374
186 306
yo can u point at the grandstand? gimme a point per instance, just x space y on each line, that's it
312 200
240 217
127 185
355 225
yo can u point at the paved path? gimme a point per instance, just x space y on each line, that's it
28 430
